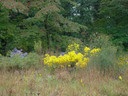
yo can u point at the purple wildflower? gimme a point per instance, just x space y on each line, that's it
15 50
76 52
24 54
18 52
62 53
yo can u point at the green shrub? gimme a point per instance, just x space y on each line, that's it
106 59
67 40
18 62
38 47
99 40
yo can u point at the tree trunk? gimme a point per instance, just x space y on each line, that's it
47 32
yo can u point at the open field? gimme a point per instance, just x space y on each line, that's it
62 83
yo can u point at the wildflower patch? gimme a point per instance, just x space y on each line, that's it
71 58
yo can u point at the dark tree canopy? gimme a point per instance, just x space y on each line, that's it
57 23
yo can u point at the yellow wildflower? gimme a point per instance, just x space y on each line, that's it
86 49
93 51
82 83
32 72
40 75
73 47
120 77
62 66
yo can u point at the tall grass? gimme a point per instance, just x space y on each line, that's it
61 83
38 47
106 60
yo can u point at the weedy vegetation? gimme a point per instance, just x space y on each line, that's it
75 72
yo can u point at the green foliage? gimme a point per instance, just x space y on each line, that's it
107 59
52 22
42 21
16 6
64 41
84 11
113 20
18 62
99 40
7 31
38 47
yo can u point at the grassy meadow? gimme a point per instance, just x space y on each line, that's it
61 83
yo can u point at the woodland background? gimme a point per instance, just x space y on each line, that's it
57 23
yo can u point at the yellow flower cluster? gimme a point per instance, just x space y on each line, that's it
82 63
95 50
73 47
91 52
122 61
70 59
86 49
65 60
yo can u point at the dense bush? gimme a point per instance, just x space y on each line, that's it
19 62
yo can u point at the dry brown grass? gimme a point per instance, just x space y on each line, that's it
61 83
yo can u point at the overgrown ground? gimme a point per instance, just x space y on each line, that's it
95 71
62 83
